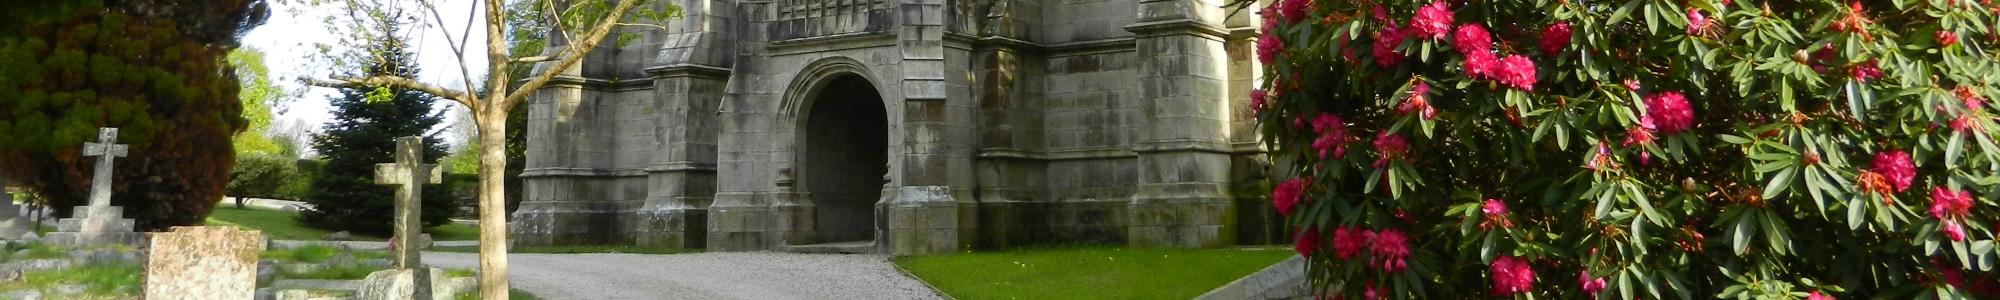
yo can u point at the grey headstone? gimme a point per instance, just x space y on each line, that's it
12 222
196 262
338 236
392 284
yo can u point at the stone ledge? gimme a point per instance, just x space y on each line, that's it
1283 280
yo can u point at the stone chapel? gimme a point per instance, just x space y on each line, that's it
906 127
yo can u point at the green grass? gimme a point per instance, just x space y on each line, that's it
36 250
310 253
97 279
1087 273
284 225
335 272
571 249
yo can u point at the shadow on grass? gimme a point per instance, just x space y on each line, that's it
284 225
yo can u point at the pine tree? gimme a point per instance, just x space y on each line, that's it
362 134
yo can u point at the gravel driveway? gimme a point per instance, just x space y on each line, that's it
727 275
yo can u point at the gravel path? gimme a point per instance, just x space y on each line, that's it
727 275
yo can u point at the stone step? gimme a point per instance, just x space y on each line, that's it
852 247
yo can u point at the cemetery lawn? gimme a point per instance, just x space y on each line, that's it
284 225
571 249
1088 273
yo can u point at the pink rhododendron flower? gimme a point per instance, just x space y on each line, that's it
1286 195
1815 295
1390 249
1384 48
1591 285
1516 71
1481 65
1820 59
1347 241
1669 112
1555 38
1294 10
1332 135
1512 276
1493 207
1496 214
1945 38
1419 102
1865 71
1895 166
1432 21
1632 85
1699 24
1638 135
1471 38
1390 146
1257 99
1306 242
1368 292
1268 46
1949 206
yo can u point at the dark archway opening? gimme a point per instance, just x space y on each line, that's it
846 156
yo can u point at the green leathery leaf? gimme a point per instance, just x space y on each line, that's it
1856 211
1741 232
1778 183
1639 235
1954 149
1603 204
1624 11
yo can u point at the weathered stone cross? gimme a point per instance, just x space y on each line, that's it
408 174
106 149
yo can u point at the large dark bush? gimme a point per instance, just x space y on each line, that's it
153 69
1637 148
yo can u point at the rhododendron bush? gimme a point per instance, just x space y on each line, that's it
1635 148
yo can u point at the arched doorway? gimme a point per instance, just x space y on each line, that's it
845 158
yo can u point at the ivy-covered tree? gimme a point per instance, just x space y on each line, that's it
344 196
153 69
1636 148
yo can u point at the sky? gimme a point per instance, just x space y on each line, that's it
290 42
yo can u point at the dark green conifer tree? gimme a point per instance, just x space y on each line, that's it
362 134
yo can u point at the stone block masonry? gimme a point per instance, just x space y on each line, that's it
764 125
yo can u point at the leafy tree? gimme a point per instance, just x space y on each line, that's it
154 69
259 98
581 26
261 176
344 195
1636 149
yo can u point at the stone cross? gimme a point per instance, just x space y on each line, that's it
106 149
408 174
202 262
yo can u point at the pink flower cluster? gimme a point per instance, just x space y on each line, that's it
1895 165
1388 249
1332 135
1432 21
1865 71
1815 295
1496 214
1257 100
1385 44
1516 71
1668 112
1391 249
1419 102
1471 38
1287 195
1949 206
1390 146
1555 38
1268 47
1294 11
1512 276
1306 242
1591 285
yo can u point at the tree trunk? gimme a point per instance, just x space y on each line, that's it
492 202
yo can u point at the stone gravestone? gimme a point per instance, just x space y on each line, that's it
99 222
198 262
13 224
409 174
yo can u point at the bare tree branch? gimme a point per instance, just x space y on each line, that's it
394 81
457 49
596 34
536 59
